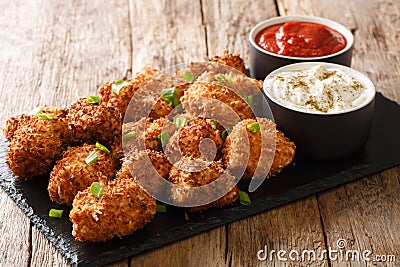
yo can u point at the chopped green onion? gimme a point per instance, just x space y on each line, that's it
161 208
128 136
213 123
96 189
222 78
170 96
163 137
37 111
188 76
54 213
225 133
46 116
179 122
118 85
244 198
254 127
91 158
102 148
248 99
92 99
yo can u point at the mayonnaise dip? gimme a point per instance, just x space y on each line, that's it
317 90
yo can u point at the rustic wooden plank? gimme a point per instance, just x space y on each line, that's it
364 213
166 33
53 53
228 23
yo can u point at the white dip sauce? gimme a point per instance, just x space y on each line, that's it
317 90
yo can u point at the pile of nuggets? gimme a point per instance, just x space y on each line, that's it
56 142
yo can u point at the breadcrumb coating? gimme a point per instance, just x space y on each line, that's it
91 122
231 60
123 208
72 174
188 173
284 153
154 129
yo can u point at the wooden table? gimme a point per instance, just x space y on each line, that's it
53 52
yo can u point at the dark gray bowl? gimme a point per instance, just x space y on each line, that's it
325 136
263 62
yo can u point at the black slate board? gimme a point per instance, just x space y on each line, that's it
305 178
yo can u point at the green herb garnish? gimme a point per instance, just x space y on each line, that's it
163 137
91 158
161 208
46 116
225 133
179 122
118 85
222 78
254 127
37 111
244 198
54 213
248 99
170 96
102 148
92 99
96 189
128 136
188 76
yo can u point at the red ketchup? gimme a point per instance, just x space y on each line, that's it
300 39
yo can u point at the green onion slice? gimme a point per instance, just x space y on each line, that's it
96 189
213 123
188 76
91 158
102 148
128 136
225 133
46 116
170 96
161 208
244 198
92 99
222 78
163 137
179 122
248 99
118 85
254 127
54 213
37 111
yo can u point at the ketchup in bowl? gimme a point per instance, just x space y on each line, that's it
300 39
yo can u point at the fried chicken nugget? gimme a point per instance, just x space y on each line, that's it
154 129
122 209
189 173
196 139
267 150
36 145
72 174
13 123
121 100
91 122
234 61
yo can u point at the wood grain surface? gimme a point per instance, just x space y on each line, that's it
53 52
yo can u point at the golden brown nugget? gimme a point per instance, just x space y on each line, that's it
231 60
154 129
36 145
72 174
122 209
284 153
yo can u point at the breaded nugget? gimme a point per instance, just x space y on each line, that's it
196 139
91 122
213 100
13 123
284 153
249 151
154 129
72 174
35 145
234 61
133 136
121 100
189 173
122 209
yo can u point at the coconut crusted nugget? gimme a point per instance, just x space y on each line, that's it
261 150
13 123
153 131
72 174
234 61
196 139
122 209
214 100
36 145
119 99
92 122
189 173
